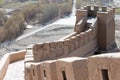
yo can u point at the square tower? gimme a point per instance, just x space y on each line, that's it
106 28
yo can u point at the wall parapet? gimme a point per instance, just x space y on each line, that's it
58 69
53 50
81 43
9 58
80 25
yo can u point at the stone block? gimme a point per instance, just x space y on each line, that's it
78 39
88 8
27 71
104 9
82 37
72 68
46 50
38 52
19 55
80 14
53 49
104 66
48 70
114 69
60 48
72 45
35 71
93 35
75 42
89 34
86 37
66 46
96 8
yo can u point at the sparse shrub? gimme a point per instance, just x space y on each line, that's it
14 25
2 34
40 12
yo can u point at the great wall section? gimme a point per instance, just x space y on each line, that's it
72 57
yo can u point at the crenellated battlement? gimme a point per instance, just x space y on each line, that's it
94 31
53 50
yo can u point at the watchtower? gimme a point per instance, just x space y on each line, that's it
106 28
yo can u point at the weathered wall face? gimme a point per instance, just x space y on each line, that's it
41 71
48 70
28 74
4 65
80 20
80 14
74 44
72 68
104 67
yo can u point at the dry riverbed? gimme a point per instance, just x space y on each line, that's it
53 33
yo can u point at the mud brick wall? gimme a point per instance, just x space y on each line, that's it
106 28
72 68
105 66
58 49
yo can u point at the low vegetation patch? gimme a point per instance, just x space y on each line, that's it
40 12
1 1
117 10
12 27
